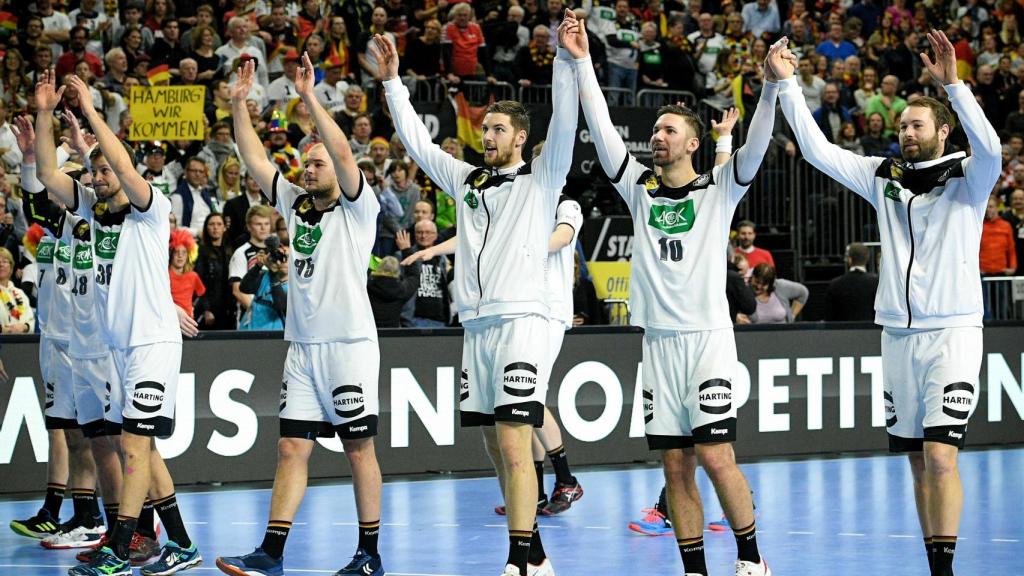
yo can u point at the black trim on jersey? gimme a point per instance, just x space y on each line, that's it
305 209
921 180
273 189
82 231
493 178
107 218
359 192
701 182
487 229
74 194
736 173
910 263
152 191
622 170
561 200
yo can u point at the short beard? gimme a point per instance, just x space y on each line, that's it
321 192
925 151
500 158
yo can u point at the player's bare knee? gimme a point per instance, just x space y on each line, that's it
940 459
294 449
716 459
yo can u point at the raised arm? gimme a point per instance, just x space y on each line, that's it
853 171
983 167
759 130
139 191
56 182
723 144
334 139
254 156
446 171
445 248
553 165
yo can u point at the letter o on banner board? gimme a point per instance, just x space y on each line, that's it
574 424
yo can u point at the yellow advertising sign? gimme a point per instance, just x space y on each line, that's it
167 112
611 282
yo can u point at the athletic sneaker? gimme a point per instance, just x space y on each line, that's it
654 523
510 570
173 559
104 564
88 555
543 569
541 504
752 569
142 549
563 497
39 526
77 536
363 564
256 562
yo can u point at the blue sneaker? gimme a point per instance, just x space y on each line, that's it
363 564
106 563
257 562
173 559
654 523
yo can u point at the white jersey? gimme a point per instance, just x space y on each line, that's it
561 264
709 50
131 254
59 324
930 235
44 282
505 217
85 326
329 256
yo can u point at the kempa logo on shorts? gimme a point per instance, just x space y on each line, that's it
715 396
306 238
518 412
145 426
672 218
719 431
358 428
957 399
510 378
106 243
890 410
955 435
63 252
351 397
148 397
83 257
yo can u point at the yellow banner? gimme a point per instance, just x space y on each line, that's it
167 112
611 281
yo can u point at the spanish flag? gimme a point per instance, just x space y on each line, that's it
159 75
468 122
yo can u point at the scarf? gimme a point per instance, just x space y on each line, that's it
921 180
220 151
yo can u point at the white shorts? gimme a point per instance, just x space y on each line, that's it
930 381
557 335
59 384
506 363
149 378
330 388
98 396
687 395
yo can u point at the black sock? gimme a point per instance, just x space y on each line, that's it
943 549
275 537
121 536
170 515
369 533
746 544
560 462
930 550
662 505
692 551
146 525
85 506
110 511
54 498
519 549
538 466
536 547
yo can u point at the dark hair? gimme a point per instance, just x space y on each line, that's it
168 20
689 116
78 28
746 224
206 223
765 274
515 111
97 152
858 254
397 165
940 112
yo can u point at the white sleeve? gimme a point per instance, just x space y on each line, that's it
622 169
238 265
85 198
855 172
552 167
365 206
282 195
449 173
759 136
983 167
569 212
157 212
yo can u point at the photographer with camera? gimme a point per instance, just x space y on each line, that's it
267 282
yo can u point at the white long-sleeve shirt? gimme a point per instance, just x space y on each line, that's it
681 235
930 240
505 217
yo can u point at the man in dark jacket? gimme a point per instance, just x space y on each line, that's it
851 297
741 298
390 287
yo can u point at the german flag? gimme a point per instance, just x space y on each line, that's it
159 75
8 22
469 121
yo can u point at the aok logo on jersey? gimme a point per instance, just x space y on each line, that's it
306 238
44 253
83 257
106 244
63 252
672 218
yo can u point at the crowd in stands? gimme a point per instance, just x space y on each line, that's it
858 67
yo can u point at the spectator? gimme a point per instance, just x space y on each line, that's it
131 43
282 91
186 286
430 307
533 62
218 149
331 91
378 23
362 127
156 170
851 297
193 199
998 253
266 285
204 52
834 47
888 104
300 123
79 37
216 310
737 291
390 287
204 20
779 301
506 38
463 47
761 17
156 12
380 155
677 56
746 234
257 222
339 47
736 38
240 42
405 190
354 106
229 180
56 26
651 58
188 73
622 41
992 96
10 240
1015 216
811 85
10 154
1015 120
236 208
587 309
16 316
167 49
848 138
832 114
874 141
133 21
866 89
707 44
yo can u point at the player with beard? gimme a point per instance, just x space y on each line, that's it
143 327
506 212
330 374
931 207
681 221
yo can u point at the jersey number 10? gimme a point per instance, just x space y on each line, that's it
671 249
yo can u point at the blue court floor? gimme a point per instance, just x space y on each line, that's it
839 517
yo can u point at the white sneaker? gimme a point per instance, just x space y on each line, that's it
744 568
510 570
78 537
543 569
